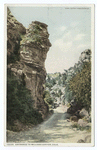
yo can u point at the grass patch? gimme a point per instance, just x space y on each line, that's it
81 128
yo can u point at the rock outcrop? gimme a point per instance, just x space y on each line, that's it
85 56
14 32
29 48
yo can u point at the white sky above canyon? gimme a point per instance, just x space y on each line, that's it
69 29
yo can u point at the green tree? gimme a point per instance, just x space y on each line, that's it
80 85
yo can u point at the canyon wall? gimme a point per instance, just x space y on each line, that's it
26 53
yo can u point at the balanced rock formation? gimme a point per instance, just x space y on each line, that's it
31 50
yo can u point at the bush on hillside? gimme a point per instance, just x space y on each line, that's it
47 98
80 85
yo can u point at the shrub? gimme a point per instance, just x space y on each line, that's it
47 98
87 128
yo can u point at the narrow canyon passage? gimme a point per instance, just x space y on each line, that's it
54 130
48 66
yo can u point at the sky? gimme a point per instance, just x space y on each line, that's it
69 29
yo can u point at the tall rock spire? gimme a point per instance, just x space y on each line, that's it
32 48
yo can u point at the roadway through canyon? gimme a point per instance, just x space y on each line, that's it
56 129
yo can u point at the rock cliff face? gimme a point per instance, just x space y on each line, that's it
14 32
29 47
84 57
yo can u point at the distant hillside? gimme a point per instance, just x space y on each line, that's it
58 84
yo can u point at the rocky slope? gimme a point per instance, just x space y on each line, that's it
26 51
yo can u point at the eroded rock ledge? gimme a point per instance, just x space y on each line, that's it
33 46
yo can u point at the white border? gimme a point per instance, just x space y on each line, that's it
2 54
92 47
92 39
92 75
5 71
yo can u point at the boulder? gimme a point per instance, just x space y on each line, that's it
80 141
74 118
82 123
67 115
68 120
74 107
88 139
83 113
87 118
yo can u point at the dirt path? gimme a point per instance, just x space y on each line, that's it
55 130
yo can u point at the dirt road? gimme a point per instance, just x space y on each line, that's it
55 130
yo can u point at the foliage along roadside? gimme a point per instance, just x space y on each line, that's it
48 99
80 85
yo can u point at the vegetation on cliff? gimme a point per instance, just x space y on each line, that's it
19 103
37 36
